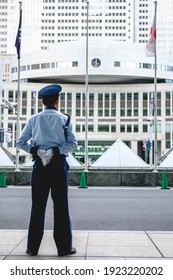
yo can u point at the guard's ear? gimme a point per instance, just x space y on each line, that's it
56 103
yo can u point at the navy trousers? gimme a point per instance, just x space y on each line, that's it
54 177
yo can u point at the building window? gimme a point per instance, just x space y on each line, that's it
100 112
103 128
122 112
145 128
129 112
78 96
136 96
90 128
45 65
122 96
24 94
147 65
78 112
135 112
10 94
113 128
167 144
113 112
74 63
91 112
135 128
129 128
35 66
69 96
145 112
116 63
122 128
78 128
106 112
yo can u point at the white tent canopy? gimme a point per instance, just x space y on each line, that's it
168 161
71 161
119 155
5 161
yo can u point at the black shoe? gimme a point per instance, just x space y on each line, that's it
73 251
31 253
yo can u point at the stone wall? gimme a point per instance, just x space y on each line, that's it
99 178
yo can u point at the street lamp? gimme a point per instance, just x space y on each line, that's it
86 92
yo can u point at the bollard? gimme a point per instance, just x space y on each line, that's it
83 180
164 181
3 180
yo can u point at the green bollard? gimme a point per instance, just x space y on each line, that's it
3 180
83 180
164 181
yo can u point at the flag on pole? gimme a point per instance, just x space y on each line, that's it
151 44
18 36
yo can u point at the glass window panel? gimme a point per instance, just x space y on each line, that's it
103 128
122 128
90 128
77 128
135 128
168 128
136 96
135 112
113 128
145 95
113 112
129 128
129 112
122 112
122 96
145 128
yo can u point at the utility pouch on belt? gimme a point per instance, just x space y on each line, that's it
66 126
34 153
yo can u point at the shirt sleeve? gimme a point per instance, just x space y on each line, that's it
26 135
71 143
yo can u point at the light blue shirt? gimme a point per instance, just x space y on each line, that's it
46 129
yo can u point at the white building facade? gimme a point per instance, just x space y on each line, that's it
121 85
121 80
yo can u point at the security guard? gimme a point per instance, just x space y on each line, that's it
52 139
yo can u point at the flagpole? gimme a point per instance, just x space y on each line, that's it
86 94
155 99
18 100
1 78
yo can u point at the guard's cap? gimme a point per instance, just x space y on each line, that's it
49 90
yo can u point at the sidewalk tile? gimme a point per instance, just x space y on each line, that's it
6 249
119 239
164 242
113 251
11 237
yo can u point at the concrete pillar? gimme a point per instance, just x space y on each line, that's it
134 146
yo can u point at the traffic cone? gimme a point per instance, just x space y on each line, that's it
83 180
164 181
3 180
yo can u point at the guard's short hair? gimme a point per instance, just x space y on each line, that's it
50 100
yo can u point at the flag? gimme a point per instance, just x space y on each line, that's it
18 36
151 44
1 78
